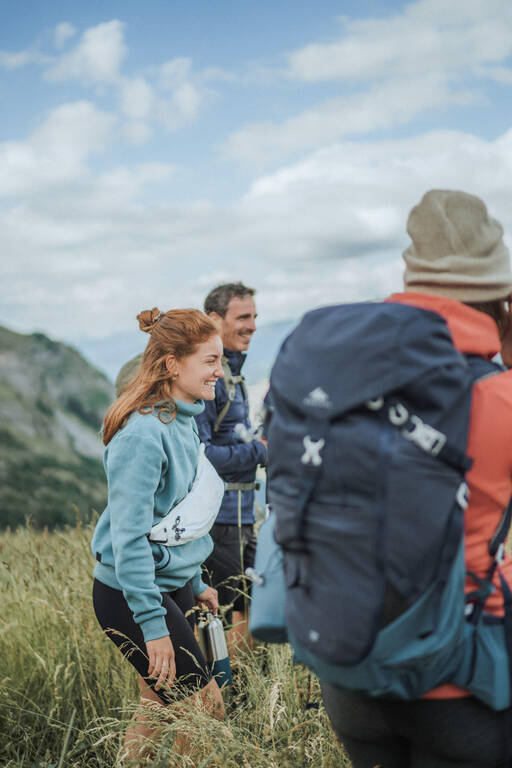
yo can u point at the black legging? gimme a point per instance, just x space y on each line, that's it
428 733
116 619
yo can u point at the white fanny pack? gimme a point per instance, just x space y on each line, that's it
192 517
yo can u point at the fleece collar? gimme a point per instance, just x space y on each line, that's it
189 409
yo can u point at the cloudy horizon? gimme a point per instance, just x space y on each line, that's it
144 158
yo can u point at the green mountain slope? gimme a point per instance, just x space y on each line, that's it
52 403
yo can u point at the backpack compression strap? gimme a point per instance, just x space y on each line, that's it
475 600
313 442
426 437
230 383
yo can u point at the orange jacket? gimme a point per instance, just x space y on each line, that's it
489 445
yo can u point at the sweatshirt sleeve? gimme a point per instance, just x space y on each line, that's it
198 585
236 457
134 466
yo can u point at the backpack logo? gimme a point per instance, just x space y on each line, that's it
312 450
318 398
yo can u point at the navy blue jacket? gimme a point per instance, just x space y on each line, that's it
234 460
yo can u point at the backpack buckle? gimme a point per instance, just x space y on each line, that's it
426 437
462 495
255 576
398 415
312 450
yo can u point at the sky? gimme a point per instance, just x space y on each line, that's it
149 151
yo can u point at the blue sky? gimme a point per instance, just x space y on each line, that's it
148 151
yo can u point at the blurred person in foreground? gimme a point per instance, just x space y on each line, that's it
144 590
458 267
225 429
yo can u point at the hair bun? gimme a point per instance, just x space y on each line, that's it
148 319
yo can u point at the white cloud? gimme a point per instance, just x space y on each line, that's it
10 60
124 185
187 100
56 151
181 108
382 106
331 227
184 92
354 197
427 36
63 32
217 74
136 98
97 58
95 246
389 72
174 73
168 96
137 132
499 74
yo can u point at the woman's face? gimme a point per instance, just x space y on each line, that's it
196 374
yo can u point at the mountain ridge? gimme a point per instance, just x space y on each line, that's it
52 403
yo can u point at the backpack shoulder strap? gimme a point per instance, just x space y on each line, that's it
483 369
230 383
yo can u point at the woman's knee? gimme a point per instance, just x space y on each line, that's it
147 694
211 697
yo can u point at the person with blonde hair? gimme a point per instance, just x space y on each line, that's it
146 586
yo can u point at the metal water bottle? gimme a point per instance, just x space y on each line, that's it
202 635
212 641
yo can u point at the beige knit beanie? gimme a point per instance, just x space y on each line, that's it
457 250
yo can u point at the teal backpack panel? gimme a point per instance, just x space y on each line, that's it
266 618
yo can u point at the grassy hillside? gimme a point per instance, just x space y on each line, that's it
66 693
51 406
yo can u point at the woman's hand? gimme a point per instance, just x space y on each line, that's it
208 599
161 661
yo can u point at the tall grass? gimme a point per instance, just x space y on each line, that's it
66 694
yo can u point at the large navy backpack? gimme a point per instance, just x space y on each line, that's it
366 478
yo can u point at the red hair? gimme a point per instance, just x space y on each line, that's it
178 333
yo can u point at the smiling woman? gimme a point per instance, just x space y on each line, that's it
145 590
181 359
196 375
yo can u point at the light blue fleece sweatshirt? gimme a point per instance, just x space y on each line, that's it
150 467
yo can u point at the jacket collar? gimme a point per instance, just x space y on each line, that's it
236 360
473 332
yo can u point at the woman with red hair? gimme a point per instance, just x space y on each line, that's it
146 586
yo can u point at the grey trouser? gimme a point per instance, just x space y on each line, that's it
428 733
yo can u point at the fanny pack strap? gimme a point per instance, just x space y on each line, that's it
200 507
